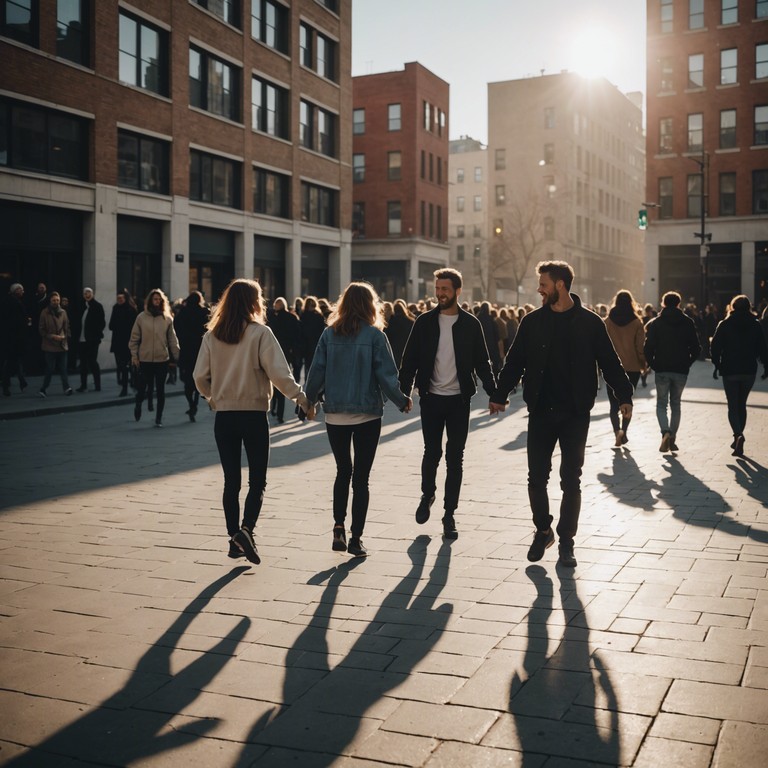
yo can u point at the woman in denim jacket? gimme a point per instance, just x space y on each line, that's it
352 372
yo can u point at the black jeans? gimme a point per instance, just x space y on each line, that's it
737 389
152 377
123 367
365 439
545 430
233 430
88 352
634 377
190 390
449 413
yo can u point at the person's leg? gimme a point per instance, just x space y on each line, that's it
82 353
279 405
745 387
255 435
456 431
340 439
432 423
62 361
731 388
227 434
613 409
160 374
676 387
634 378
573 432
93 365
365 439
662 397
542 437
142 378
50 367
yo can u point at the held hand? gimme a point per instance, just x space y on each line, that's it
497 408
135 362
311 413
408 406
626 410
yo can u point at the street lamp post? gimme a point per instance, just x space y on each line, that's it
704 236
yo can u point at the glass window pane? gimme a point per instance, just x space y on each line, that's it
127 161
65 146
28 138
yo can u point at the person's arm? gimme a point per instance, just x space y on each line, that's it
514 366
272 360
410 362
640 344
385 371
315 384
135 341
609 363
202 371
649 348
694 347
716 348
480 359
173 343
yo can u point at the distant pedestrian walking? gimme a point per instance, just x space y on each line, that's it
190 325
14 329
88 330
239 361
121 324
737 345
399 329
53 326
671 347
352 372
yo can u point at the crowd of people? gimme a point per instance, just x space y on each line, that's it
246 357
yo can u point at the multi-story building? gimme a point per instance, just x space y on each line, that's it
176 144
468 214
400 172
707 166
565 176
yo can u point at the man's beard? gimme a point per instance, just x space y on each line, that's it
553 298
448 303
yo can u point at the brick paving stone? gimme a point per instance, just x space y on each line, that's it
722 702
698 730
456 723
741 744
454 755
656 752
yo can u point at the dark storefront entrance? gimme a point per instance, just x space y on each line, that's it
680 270
761 273
269 266
387 277
314 271
139 256
211 261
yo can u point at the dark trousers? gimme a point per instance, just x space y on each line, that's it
152 377
365 439
449 413
190 391
618 421
545 430
55 361
123 368
277 405
737 389
233 430
88 352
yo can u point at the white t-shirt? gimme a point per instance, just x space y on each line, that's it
445 379
349 419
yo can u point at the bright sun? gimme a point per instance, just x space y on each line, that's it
593 52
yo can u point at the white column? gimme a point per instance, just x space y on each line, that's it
748 270
293 265
175 267
244 250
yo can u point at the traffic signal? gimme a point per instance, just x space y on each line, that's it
642 219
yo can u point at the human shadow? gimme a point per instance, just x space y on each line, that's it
752 477
120 731
555 706
325 720
628 483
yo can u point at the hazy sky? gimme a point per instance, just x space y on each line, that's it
470 43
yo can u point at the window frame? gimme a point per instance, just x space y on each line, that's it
260 113
693 195
760 136
163 45
325 205
84 46
666 201
394 172
199 157
761 61
311 133
695 17
729 72
693 130
142 140
727 132
666 138
728 7
394 123
726 198
276 201
394 218
232 17
207 95
760 192
358 167
357 130
30 38
274 35
699 81
666 16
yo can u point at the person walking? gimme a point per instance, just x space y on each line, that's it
14 329
89 332
312 325
557 351
627 334
671 347
53 327
239 362
154 347
190 325
121 324
353 371
399 328
287 330
737 345
443 354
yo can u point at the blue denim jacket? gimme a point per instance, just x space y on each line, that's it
354 374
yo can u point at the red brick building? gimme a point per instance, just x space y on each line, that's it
707 149
400 173
176 144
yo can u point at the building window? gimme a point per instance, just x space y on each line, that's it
459 175
665 135
549 228
331 5
459 253
214 179
761 9
728 66
729 12
478 174
270 111
394 217
441 127
358 122
358 168
695 14
271 193
317 129
142 163
500 159
318 204
33 138
427 115
143 55
431 167
665 197
431 220
477 230
478 203
423 164
227 10
19 19
667 15
72 30
695 132
760 192
727 128
761 125
358 220
501 194
213 84
459 204
696 70
667 74
394 120
694 195
549 154
317 52
727 194
269 24
394 166
423 228
326 57
761 60
460 231
549 117
440 171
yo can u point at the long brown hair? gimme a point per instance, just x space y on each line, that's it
357 306
240 304
166 306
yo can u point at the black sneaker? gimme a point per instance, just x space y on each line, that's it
136 412
339 539
42 394
244 539
422 511
738 447
566 558
449 527
234 551
542 540
666 440
356 548
68 391
82 388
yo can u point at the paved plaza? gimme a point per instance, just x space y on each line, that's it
128 638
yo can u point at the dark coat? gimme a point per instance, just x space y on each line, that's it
590 347
491 333
312 327
398 330
287 329
671 342
190 328
14 327
738 343
468 346
95 323
121 323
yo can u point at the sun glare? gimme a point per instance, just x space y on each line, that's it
593 52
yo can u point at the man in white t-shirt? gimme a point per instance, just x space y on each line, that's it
444 353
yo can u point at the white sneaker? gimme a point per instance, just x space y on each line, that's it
619 438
